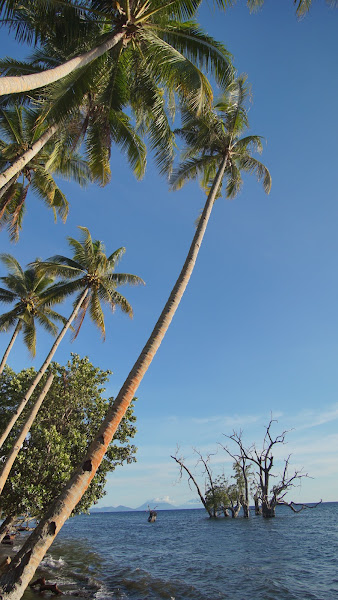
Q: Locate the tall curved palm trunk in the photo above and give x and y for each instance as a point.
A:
(42, 370)
(24, 83)
(21, 162)
(10, 346)
(7, 465)
(15, 580)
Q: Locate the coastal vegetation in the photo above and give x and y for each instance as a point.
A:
(58, 438)
(106, 73)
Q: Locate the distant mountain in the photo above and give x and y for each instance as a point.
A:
(119, 508)
(158, 505)
(152, 504)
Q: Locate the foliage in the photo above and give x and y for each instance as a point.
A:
(215, 136)
(25, 289)
(164, 54)
(20, 128)
(89, 269)
(64, 427)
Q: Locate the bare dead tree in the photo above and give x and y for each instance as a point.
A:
(264, 460)
(219, 497)
(191, 479)
(244, 466)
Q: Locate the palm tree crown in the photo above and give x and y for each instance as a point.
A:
(213, 137)
(19, 129)
(26, 289)
(156, 51)
(89, 269)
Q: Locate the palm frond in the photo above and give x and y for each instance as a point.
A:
(12, 265)
(96, 312)
(251, 165)
(124, 134)
(190, 169)
(29, 334)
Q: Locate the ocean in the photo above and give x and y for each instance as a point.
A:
(185, 555)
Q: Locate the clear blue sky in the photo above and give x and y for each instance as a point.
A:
(256, 331)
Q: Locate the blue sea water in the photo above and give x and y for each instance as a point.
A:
(184, 555)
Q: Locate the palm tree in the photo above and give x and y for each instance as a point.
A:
(38, 160)
(25, 288)
(19, 128)
(90, 274)
(224, 147)
(158, 28)
(15, 449)
(150, 41)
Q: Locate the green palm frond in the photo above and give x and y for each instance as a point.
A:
(47, 324)
(9, 319)
(59, 266)
(6, 295)
(117, 279)
(12, 265)
(251, 165)
(124, 135)
(96, 312)
(58, 292)
(30, 290)
(177, 72)
(29, 334)
(89, 269)
(116, 299)
(55, 316)
(98, 142)
(191, 169)
(214, 138)
(234, 181)
(252, 143)
(115, 257)
(201, 49)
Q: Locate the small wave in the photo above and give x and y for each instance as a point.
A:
(52, 563)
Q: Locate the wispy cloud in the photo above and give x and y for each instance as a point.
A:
(310, 418)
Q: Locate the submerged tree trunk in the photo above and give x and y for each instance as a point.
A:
(246, 509)
(41, 370)
(235, 510)
(10, 345)
(22, 161)
(258, 510)
(23, 433)
(23, 83)
(268, 511)
(18, 574)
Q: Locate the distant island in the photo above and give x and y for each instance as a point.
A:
(144, 507)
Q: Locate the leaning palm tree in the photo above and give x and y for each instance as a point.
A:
(167, 44)
(90, 274)
(32, 151)
(222, 149)
(20, 127)
(25, 289)
(160, 29)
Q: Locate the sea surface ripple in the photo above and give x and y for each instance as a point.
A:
(186, 556)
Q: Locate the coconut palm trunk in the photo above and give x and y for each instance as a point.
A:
(17, 576)
(22, 161)
(6, 525)
(10, 345)
(24, 83)
(23, 433)
(4, 190)
(42, 369)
